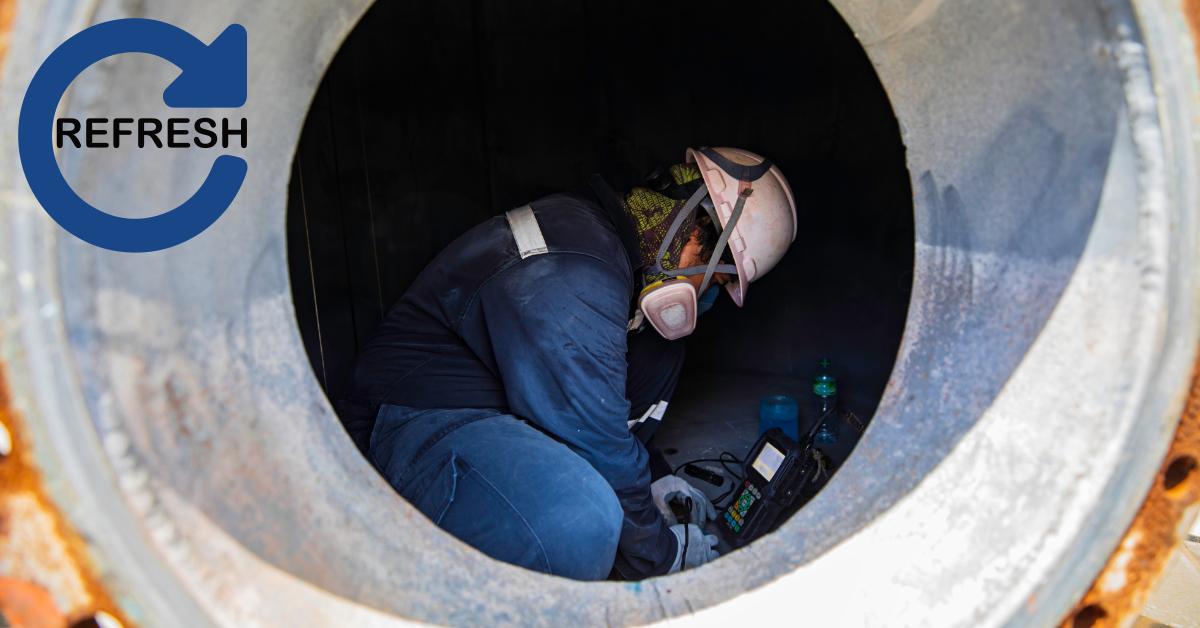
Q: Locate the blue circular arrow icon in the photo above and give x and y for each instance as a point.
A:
(213, 76)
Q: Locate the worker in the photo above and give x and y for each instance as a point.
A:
(510, 393)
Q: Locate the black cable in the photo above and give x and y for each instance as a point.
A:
(740, 477)
(676, 469)
(812, 432)
(734, 459)
(687, 519)
(723, 496)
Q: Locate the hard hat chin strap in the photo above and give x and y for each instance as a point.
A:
(707, 204)
(714, 265)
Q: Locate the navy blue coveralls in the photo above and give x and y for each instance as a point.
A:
(495, 395)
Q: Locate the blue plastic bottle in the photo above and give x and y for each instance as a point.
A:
(825, 390)
(781, 412)
(705, 302)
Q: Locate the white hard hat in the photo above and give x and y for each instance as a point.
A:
(767, 225)
(755, 213)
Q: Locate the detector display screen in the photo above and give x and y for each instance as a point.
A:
(768, 461)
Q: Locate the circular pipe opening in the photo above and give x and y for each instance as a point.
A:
(515, 105)
(1051, 255)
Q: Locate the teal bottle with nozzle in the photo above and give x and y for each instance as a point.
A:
(825, 391)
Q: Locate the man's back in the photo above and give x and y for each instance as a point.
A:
(435, 349)
(484, 333)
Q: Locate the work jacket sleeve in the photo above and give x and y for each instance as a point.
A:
(557, 329)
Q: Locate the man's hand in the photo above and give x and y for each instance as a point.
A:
(699, 547)
(672, 488)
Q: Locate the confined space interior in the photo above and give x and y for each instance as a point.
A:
(172, 394)
(509, 110)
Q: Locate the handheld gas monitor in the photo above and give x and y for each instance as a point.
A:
(776, 468)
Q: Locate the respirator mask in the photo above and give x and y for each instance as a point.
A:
(671, 305)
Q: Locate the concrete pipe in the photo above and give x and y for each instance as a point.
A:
(166, 404)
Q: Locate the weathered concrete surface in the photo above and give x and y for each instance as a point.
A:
(1052, 330)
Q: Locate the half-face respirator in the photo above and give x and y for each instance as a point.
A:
(670, 305)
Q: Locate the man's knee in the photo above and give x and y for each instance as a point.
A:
(518, 497)
(587, 528)
(608, 514)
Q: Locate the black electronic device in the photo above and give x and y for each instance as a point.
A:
(704, 474)
(776, 468)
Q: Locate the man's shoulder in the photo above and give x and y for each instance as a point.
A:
(573, 223)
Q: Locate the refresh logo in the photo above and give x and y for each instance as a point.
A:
(214, 76)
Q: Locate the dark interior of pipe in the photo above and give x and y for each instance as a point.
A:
(436, 116)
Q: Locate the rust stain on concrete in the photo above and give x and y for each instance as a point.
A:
(8, 14)
(46, 574)
(37, 544)
(1124, 585)
(28, 606)
(1135, 567)
(1191, 11)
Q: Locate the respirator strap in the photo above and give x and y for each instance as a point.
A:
(712, 213)
(700, 270)
(688, 208)
(724, 240)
